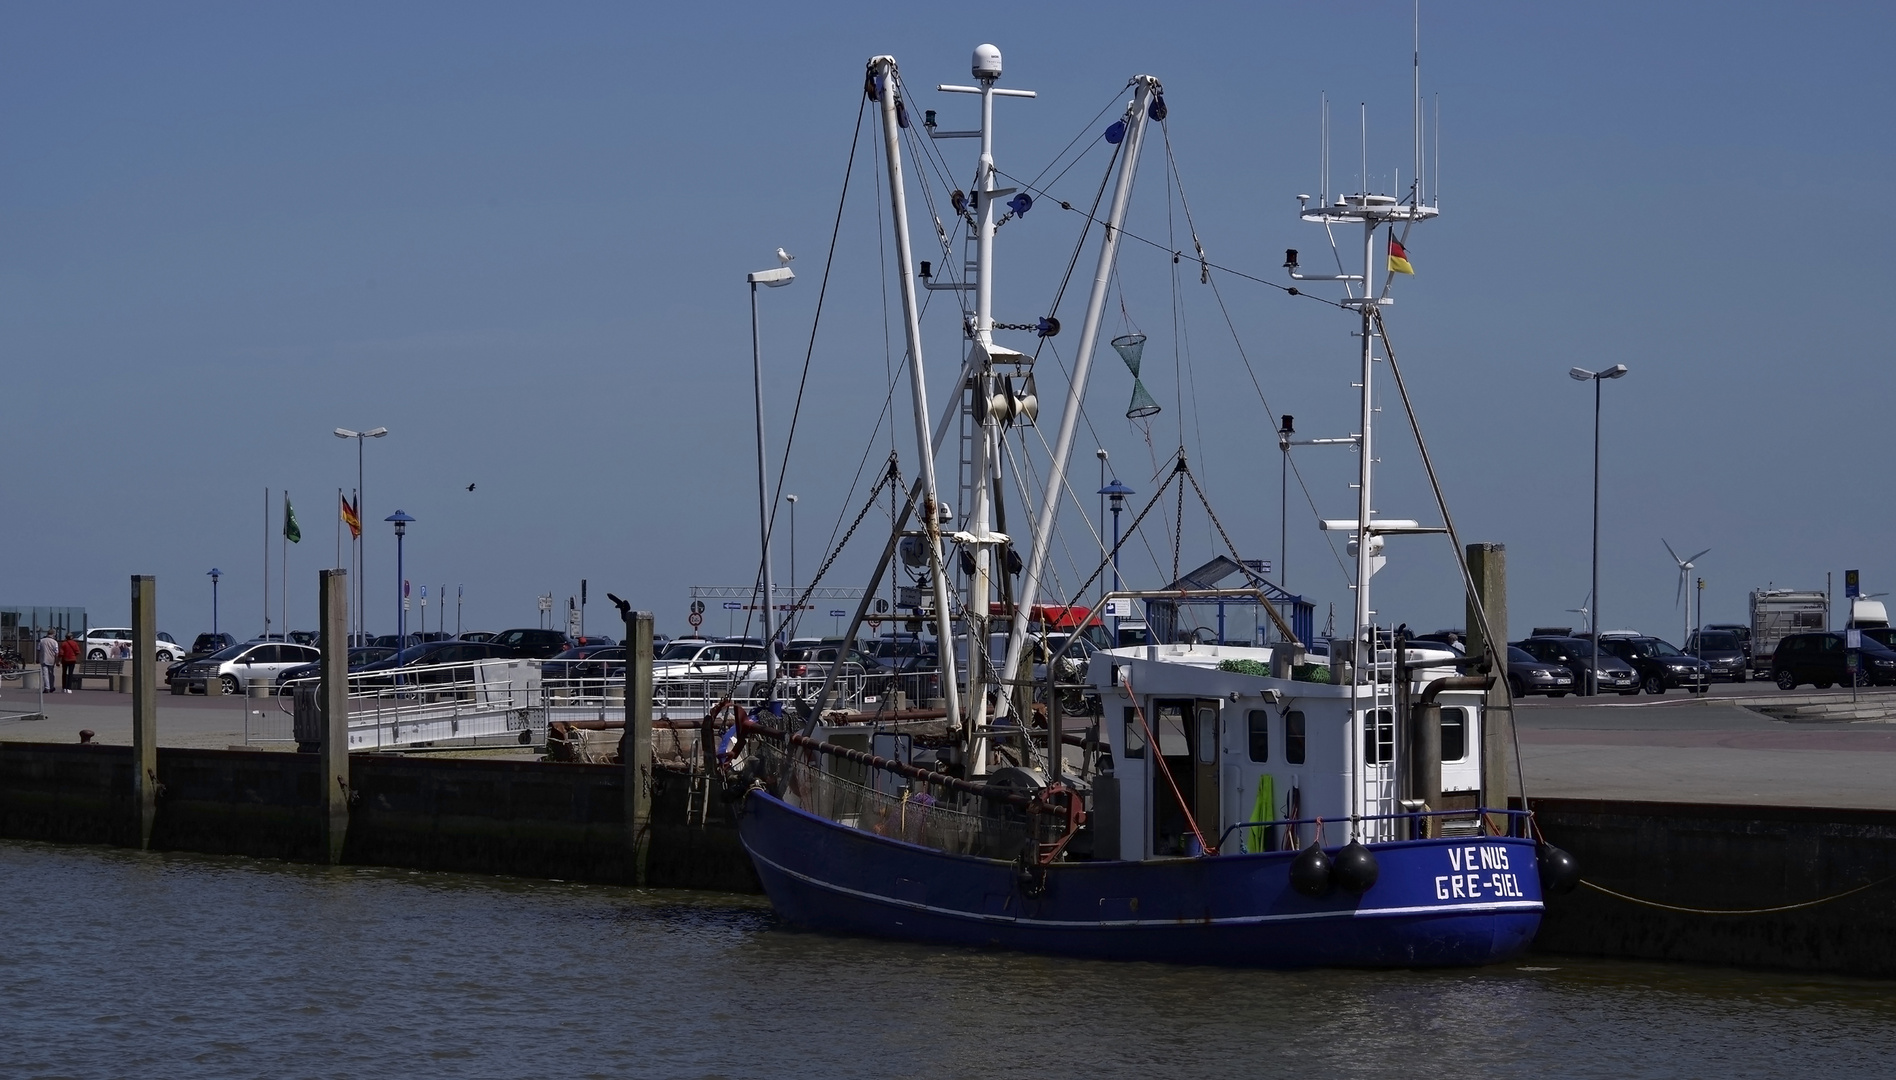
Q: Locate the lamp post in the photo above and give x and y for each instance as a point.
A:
(1284, 431)
(1116, 492)
(776, 278)
(796, 610)
(401, 521)
(361, 573)
(1581, 374)
(1101, 534)
(214, 573)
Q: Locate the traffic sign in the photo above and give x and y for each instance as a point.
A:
(882, 605)
(837, 613)
(1851, 588)
(733, 605)
(696, 620)
(697, 607)
(1853, 639)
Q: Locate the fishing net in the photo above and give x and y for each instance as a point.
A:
(901, 808)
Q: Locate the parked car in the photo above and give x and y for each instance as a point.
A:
(1822, 660)
(427, 662)
(587, 666)
(532, 642)
(1576, 655)
(359, 657)
(1724, 654)
(1527, 675)
(805, 661)
(240, 665)
(1661, 667)
(104, 643)
(478, 635)
(696, 658)
(206, 644)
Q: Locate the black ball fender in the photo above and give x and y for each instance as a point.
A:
(1310, 871)
(1355, 869)
(1559, 871)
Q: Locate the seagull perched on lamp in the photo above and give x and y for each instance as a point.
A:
(784, 257)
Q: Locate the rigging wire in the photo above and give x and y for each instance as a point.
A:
(1496, 664)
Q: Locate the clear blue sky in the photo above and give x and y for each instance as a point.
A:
(516, 235)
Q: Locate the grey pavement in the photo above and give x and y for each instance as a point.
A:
(183, 720)
(1680, 748)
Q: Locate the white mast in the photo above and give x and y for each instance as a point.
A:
(1145, 89)
(978, 535)
(884, 71)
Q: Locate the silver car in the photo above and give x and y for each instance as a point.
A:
(240, 665)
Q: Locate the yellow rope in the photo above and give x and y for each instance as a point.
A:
(1734, 911)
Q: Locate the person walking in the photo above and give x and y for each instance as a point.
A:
(48, 659)
(68, 660)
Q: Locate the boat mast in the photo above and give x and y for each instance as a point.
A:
(1145, 90)
(978, 536)
(883, 72)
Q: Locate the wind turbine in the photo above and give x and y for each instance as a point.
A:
(1585, 611)
(1685, 571)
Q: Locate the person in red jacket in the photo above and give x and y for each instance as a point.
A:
(68, 660)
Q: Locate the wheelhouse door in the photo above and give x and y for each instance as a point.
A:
(1184, 776)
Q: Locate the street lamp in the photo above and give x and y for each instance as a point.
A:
(1101, 534)
(361, 570)
(776, 278)
(1117, 493)
(1581, 374)
(214, 573)
(1284, 432)
(401, 521)
(796, 611)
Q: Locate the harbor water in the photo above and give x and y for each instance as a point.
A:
(117, 963)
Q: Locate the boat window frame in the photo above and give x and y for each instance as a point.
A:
(1258, 729)
(1296, 737)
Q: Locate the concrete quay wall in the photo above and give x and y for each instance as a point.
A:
(526, 818)
(1723, 858)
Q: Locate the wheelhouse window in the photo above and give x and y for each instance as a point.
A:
(1294, 737)
(1135, 741)
(1259, 722)
(1454, 734)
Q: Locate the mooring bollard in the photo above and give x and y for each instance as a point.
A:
(213, 686)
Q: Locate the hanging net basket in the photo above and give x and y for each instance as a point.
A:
(1142, 404)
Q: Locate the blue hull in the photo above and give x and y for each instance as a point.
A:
(1436, 903)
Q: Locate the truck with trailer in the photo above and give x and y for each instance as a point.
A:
(1776, 613)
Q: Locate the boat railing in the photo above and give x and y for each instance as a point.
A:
(1415, 820)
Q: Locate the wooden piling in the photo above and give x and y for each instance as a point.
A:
(334, 708)
(637, 748)
(144, 706)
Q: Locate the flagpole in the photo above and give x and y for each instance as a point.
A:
(285, 609)
(266, 564)
(339, 535)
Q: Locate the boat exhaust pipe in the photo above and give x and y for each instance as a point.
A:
(1425, 742)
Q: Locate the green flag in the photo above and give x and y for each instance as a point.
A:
(291, 531)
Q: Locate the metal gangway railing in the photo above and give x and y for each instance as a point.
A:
(440, 706)
(511, 702)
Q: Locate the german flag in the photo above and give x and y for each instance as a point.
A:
(1398, 256)
(351, 518)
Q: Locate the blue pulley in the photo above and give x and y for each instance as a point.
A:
(1116, 132)
(1157, 109)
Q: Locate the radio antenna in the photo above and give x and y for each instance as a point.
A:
(1417, 66)
(1362, 119)
(1435, 183)
(1323, 149)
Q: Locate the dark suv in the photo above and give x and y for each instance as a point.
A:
(532, 643)
(1660, 666)
(1575, 654)
(1723, 652)
(1822, 660)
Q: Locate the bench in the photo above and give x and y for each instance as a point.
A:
(99, 669)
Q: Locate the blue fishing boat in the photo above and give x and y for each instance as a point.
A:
(1111, 786)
